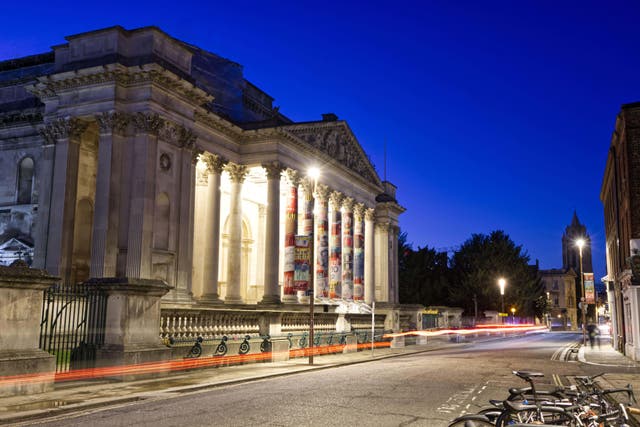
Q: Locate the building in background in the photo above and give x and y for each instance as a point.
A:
(560, 290)
(131, 154)
(620, 195)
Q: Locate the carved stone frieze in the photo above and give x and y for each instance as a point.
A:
(148, 122)
(338, 143)
(113, 121)
(274, 169)
(186, 138)
(215, 163)
(237, 172)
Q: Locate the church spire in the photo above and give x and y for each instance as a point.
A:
(575, 221)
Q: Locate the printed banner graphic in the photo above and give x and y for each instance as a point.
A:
(589, 288)
(302, 263)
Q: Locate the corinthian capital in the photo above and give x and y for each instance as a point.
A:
(237, 172)
(149, 123)
(215, 163)
(293, 176)
(358, 210)
(370, 214)
(186, 137)
(347, 204)
(274, 169)
(322, 193)
(336, 199)
(63, 129)
(112, 121)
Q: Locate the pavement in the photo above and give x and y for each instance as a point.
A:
(77, 396)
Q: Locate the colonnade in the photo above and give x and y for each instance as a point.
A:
(342, 230)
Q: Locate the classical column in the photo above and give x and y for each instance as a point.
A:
(369, 265)
(143, 180)
(335, 246)
(66, 133)
(271, 288)
(382, 260)
(44, 197)
(189, 154)
(307, 227)
(322, 242)
(394, 296)
(358, 252)
(104, 248)
(237, 173)
(347, 248)
(215, 166)
(290, 231)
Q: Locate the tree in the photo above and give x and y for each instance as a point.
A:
(480, 262)
(424, 275)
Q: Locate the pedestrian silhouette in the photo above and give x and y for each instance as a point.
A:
(594, 334)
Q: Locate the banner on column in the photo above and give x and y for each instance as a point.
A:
(347, 256)
(589, 289)
(335, 257)
(322, 257)
(302, 263)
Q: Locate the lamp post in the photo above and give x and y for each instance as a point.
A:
(583, 299)
(513, 315)
(314, 173)
(548, 305)
(501, 283)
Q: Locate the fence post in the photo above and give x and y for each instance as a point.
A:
(132, 323)
(21, 290)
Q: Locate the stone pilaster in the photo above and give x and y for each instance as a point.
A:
(142, 196)
(369, 265)
(189, 152)
(382, 258)
(104, 249)
(215, 166)
(335, 246)
(322, 242)
(237, 174)
(347, 248)
(291, 225)
(271, 288)
(66, 133)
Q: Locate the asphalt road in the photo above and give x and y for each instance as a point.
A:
(422, 389)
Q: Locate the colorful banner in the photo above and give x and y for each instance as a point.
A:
(335, 256)
(358, 260)
(302, 263)
(322, 256)
(589, 288)
(347, 255)
(290, 240)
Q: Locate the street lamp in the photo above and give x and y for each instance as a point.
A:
(314, 173)
(513, 315)
(501, 283)
(583, 299)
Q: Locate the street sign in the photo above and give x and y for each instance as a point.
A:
(503, 314)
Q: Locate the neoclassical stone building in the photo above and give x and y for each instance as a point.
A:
(128, 153)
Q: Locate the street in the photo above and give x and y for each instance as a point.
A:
(422, 389)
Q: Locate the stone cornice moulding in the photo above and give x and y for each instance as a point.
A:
(31, 116)
(52, 85)
(215, 122)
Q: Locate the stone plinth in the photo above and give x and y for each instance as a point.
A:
(21, 290)
(397, 342)
(132, 323)
(351, 344)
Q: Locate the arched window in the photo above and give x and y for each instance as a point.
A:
(25, 181)
(161, 222)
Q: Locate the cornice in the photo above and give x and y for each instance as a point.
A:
(215, 122)
(19, 118)
(52, 85)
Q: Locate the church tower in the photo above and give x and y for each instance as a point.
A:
(570, 252)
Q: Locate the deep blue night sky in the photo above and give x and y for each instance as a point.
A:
(496, 116)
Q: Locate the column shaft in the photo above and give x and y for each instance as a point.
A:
(347, 249)
(271, 288)
(291, 225)
(322, 243)
(358, 253)
(234, 260)
(369, 265)
(335, 247)
(212, 226)
(186, 212)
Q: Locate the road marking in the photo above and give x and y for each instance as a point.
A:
(456, 402)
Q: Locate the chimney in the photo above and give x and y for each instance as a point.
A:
(329, 117)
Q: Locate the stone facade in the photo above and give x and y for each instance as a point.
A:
(559, 285)
(130, 154)
(620, 195)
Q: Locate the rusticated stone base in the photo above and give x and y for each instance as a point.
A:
(34, 372)
(124, 362)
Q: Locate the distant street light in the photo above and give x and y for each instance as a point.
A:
(501, 283)
(583, 299)
(513, 315)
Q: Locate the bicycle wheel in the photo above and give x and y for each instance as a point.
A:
(471, 420)
(535, 416)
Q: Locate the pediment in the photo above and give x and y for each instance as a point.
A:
(337, 141)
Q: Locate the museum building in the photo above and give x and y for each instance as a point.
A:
(131, 154)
